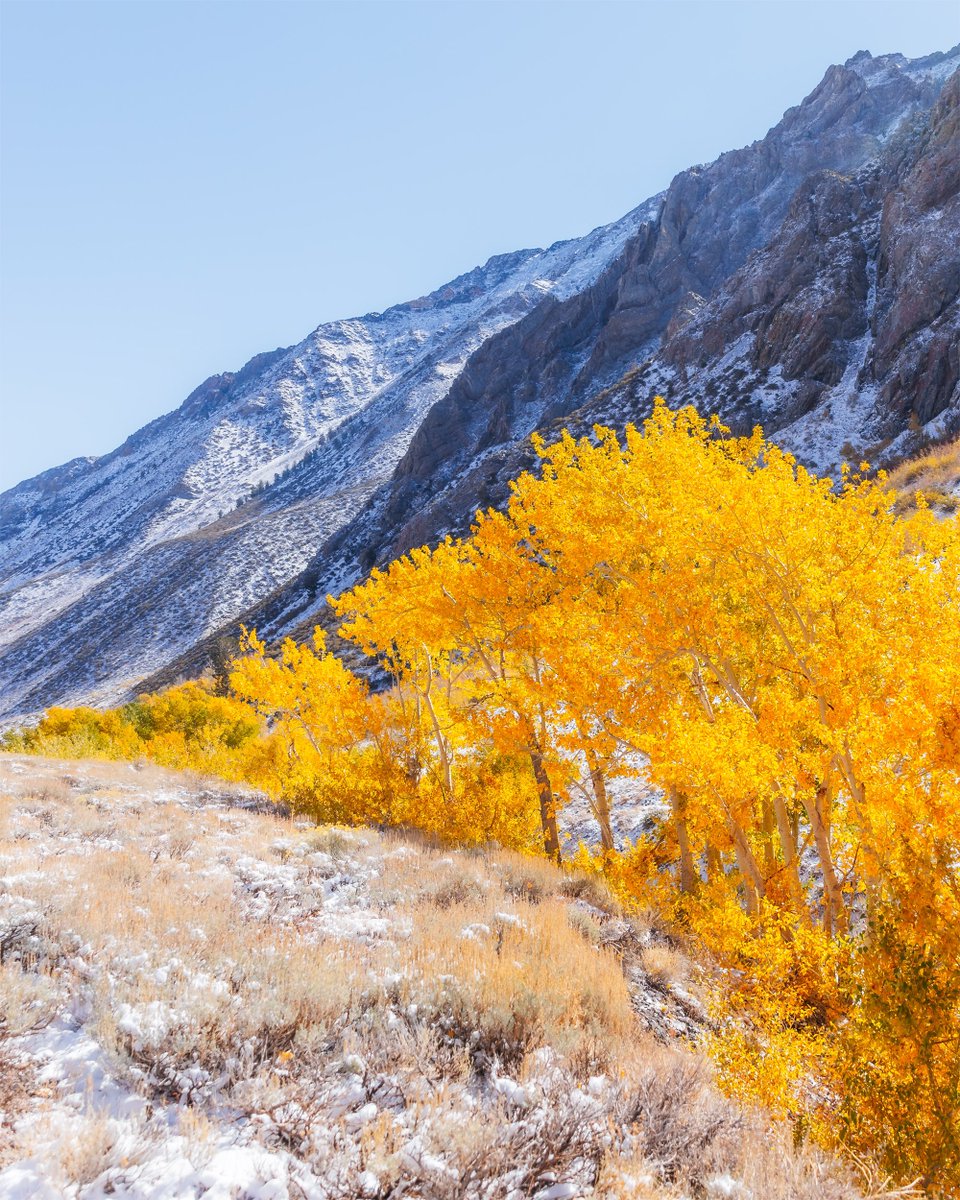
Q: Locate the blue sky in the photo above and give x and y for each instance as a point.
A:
(185, 184)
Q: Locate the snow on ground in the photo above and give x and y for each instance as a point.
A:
(200, 996)
(635, 805)
(125, 1098)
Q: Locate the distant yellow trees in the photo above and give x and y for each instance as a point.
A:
(319, 715)
(779, 655)
(186, 727)
(465, 631)
(402, 758)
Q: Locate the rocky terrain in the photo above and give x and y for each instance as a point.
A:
(809, 282)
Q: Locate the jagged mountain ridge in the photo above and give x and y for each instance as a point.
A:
(809, 280)
(669, 269)
(835, 253)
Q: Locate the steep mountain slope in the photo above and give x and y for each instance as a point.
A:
(838, 331)
(842, 333)
(784, 241)
(809, 281)
(113, 566)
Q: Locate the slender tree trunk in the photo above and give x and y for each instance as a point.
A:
(548, 814)
(688, 871)
(791, 860)
(871, 868)
(441, 749)
(601, 801)
(714, 860)
(768, 825)
(750, 900)
(754, 885)
(834, 910)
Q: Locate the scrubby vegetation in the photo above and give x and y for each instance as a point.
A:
(934, 476)
(781, 657)
(252, 1007)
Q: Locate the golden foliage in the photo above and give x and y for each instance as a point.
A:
(779, 654)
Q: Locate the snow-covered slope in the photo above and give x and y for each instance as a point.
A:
(809, 281)
(184, 527)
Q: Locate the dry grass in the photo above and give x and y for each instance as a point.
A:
(29, 999)
(99, 1150)
(450, 1025)
(665, 966)
(935, 475)
(17, 1089)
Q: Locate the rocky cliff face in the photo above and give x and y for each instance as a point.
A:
(759, 287)
(846, 324)
(808, 282)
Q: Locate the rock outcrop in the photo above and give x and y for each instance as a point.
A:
(755, 288)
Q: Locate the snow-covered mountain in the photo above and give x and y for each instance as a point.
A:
(132, 558)
(809, 281)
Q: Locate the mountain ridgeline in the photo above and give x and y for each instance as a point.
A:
(809, 282)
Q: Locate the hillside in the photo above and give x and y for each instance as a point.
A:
(934, 475)
(183, 526)
(232, 1004)
(809, 281)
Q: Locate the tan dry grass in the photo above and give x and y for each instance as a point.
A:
(665, 966)
(935, 475)
(472, 1002)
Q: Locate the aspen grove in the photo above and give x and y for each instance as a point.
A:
(779, 654)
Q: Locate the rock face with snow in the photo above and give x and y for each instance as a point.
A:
(846, 324)
(113, 566)
(808, 282)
